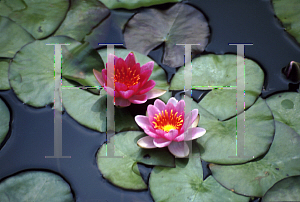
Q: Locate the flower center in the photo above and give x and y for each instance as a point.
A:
(127, 77)
(166, 122)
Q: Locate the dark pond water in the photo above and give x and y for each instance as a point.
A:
(31, 136)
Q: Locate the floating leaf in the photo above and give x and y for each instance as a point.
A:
(13, 37)
(123, 172)
(40, 17)
(180, 24)
(218, 145)
(221, 71)
(158, 74)
(255, 178)
(4, 121)
(31, 72)
(35, 186)
(132, 4)
(81, 18)
(289, 15)
(185, 183)
(287, 189)
(4, 84)
(286, 109)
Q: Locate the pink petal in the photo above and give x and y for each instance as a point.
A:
(135, 87)
(99, 77)
(152, 134)
(171, 134)
(154, 93)
(142, 121)
(121, 63)
(110, 91)
(138, 99)
(146, 142)
(195, 123)
(161, 142)
(152, 111)
(173, 101)
(160, 132)
(179, 149)
(170, 107)
(190, 118)
(147, 66)
(191, 134)
(159, 104)
(130, 60)
(122, 102)
(147, 87)
(144, 76)
(126, 94)
(120, 86)
(104, 74)
(180, 106)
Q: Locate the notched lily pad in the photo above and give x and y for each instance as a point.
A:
(35, 186)
(13, 37)
(123, 172)
(180, 24)
(4, 121)
(185, 183)
(132, 4)
(257, 177)
(4, 84)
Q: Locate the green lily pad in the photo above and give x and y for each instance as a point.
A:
(132, 4)
(123, 172)
(185, 183)
(31, 73)
(4, 9)
(13, 37)
(35, 186)
(4, 84)
(41, 17)
(218, 145)
(78, 65)
(255, 178)
(4, 120)
(289, 15)
(81, 18)
(158, 74)
(287, 189)
(90, 110)
(286, 109)
(221, 70)
(180, 24)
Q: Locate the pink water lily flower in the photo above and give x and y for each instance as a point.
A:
(131, 81)
(164, 125)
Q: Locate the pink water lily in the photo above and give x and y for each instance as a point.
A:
(130, 80)
(164, 125)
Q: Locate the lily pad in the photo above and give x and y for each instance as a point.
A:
(218, 145)
(287, 189)
(35, 186)
(221, 70)
(31, 73)
(123, 172)
(257, 177)
(4, 84)
(180, 24)
(41, 17)
(13, 37)
(4, 120)
(158, 73)
(286, 108)
(185, 183)
(289, 15)
(132, 4)
(81, 18)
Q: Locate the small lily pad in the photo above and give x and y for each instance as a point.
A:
(287, 189)
(289, 15)
(257, 177)
(221, 71)
(35, 186)
(286, 109)
(180, 24)
(4, 84)
(123, 172)
(31, 73)
(13, 37)
(4, 121)
(132, 4)
(41, 17)
(81, 18)
(185, 183)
